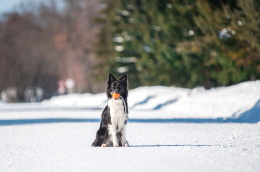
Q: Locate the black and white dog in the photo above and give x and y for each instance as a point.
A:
(112, 130)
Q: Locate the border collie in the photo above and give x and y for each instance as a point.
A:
(112, 130)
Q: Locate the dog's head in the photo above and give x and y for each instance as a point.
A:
(117, 86)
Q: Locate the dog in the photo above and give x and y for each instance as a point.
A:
(112, 130)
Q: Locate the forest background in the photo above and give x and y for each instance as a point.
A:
(180, 43)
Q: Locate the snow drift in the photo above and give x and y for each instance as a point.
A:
(241, 101)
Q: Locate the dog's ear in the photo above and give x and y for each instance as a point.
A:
(111, 78)
(123, 78)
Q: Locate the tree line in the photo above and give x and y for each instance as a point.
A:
(42, 43)
(182, 42)
(160, 42)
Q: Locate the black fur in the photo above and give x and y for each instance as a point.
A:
(119, 86)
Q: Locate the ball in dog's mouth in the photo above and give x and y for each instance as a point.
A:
(115, 95)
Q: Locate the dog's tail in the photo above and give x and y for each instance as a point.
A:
(101, 135)
(95, 143)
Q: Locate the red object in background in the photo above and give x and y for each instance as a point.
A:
(62, 87)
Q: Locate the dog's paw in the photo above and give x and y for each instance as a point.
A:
(115, 144)
(126, 143)
(103, 145)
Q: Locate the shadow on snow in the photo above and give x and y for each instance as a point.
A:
(9, 122)
(186, 145)
(165, 103)
(46, 120)
(252, 115)
(144, 101)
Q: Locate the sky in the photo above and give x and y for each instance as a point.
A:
(8, 5)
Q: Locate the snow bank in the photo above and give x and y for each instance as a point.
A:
(222, 102)
(79, 100)
(173, 102)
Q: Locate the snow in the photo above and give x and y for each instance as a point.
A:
(170, 129)
(65, 146)
(173, 102)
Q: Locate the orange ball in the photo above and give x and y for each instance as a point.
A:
(116, 96)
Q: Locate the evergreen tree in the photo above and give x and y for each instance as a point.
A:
(228, 41)
(145, 37)
(183, 43)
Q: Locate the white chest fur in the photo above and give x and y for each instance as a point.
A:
(117, 113)
(118, 117)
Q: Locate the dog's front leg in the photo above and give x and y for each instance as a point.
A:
(123, 140)
(112, 130)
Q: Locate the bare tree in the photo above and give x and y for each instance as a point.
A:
(40, 47)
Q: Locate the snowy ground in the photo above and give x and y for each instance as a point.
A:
(56, 135)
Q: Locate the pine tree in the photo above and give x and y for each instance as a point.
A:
(229, 50)
(245, 21)
(182, 43)
(145, 36)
